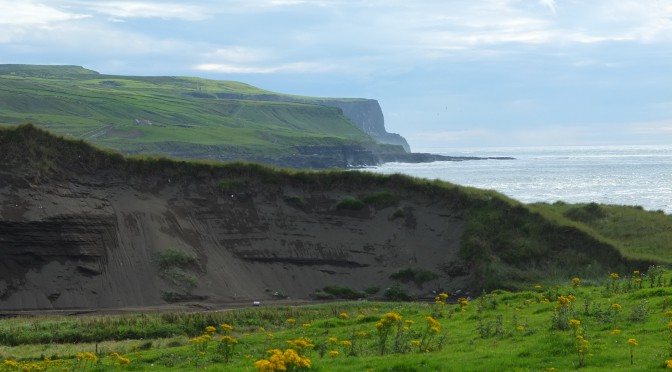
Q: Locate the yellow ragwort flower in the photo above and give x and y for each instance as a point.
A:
(228, 327)
(520, 328)
(343, 315)
(616, 306)
(432, 322)
(632, 342)
(614, 276)
(210, 329)
(332, 340)
(616, 332)
(574, 323)
(333, 353)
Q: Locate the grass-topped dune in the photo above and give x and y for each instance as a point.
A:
(81, 227)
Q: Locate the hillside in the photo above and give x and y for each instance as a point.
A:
(81, 228)
(196, 118)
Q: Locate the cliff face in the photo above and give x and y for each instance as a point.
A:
(77, 231)
(365, 113)
(368, 116)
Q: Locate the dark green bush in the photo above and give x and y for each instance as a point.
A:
(396, 293)
(380, 199)
(343, 292)
(350, 204)
(173, 258)
(417, 276)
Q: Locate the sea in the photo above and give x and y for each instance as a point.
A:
(622, 175)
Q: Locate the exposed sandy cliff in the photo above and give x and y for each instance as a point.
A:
(76, 231)
(80, 228)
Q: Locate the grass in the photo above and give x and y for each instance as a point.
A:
(497, 331)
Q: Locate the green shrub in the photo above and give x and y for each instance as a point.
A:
(295, 201)
(343, 292)
(396, 293)
(417, 276)
(399, 213)
(350, 203)
(380, 199)
(173, 258)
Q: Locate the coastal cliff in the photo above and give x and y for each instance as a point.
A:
(365, 113)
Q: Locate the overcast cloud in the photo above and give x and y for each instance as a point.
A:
(457, 73)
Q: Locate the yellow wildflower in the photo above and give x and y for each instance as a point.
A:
(520, 328)
(432, 322)
(11, 363)
(443, 296)
(306, 325)
(228, 327)
(361, 334)
(333, 353)
(632, 342)
(343, 315)
(415, 342)
(210, 329)
(614, 276)
(616, 306)
(537, 286)
(668, 364)
(635, 273)
(436, 329)
(269, 336)
(333, 340)
(291, 320)
(574, 323)
(616, 332)
(575, 281)
(346, 343)
(262, 329)
(228, 340)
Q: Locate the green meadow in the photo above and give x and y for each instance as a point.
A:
(622, 322)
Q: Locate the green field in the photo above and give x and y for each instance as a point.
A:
(621, 323)
(152, 115)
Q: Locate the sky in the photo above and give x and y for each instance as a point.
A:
(447, 73)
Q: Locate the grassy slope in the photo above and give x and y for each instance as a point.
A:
(498, 332)
(102, 109)
(638, 233)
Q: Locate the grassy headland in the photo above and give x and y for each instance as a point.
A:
(169, 115)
